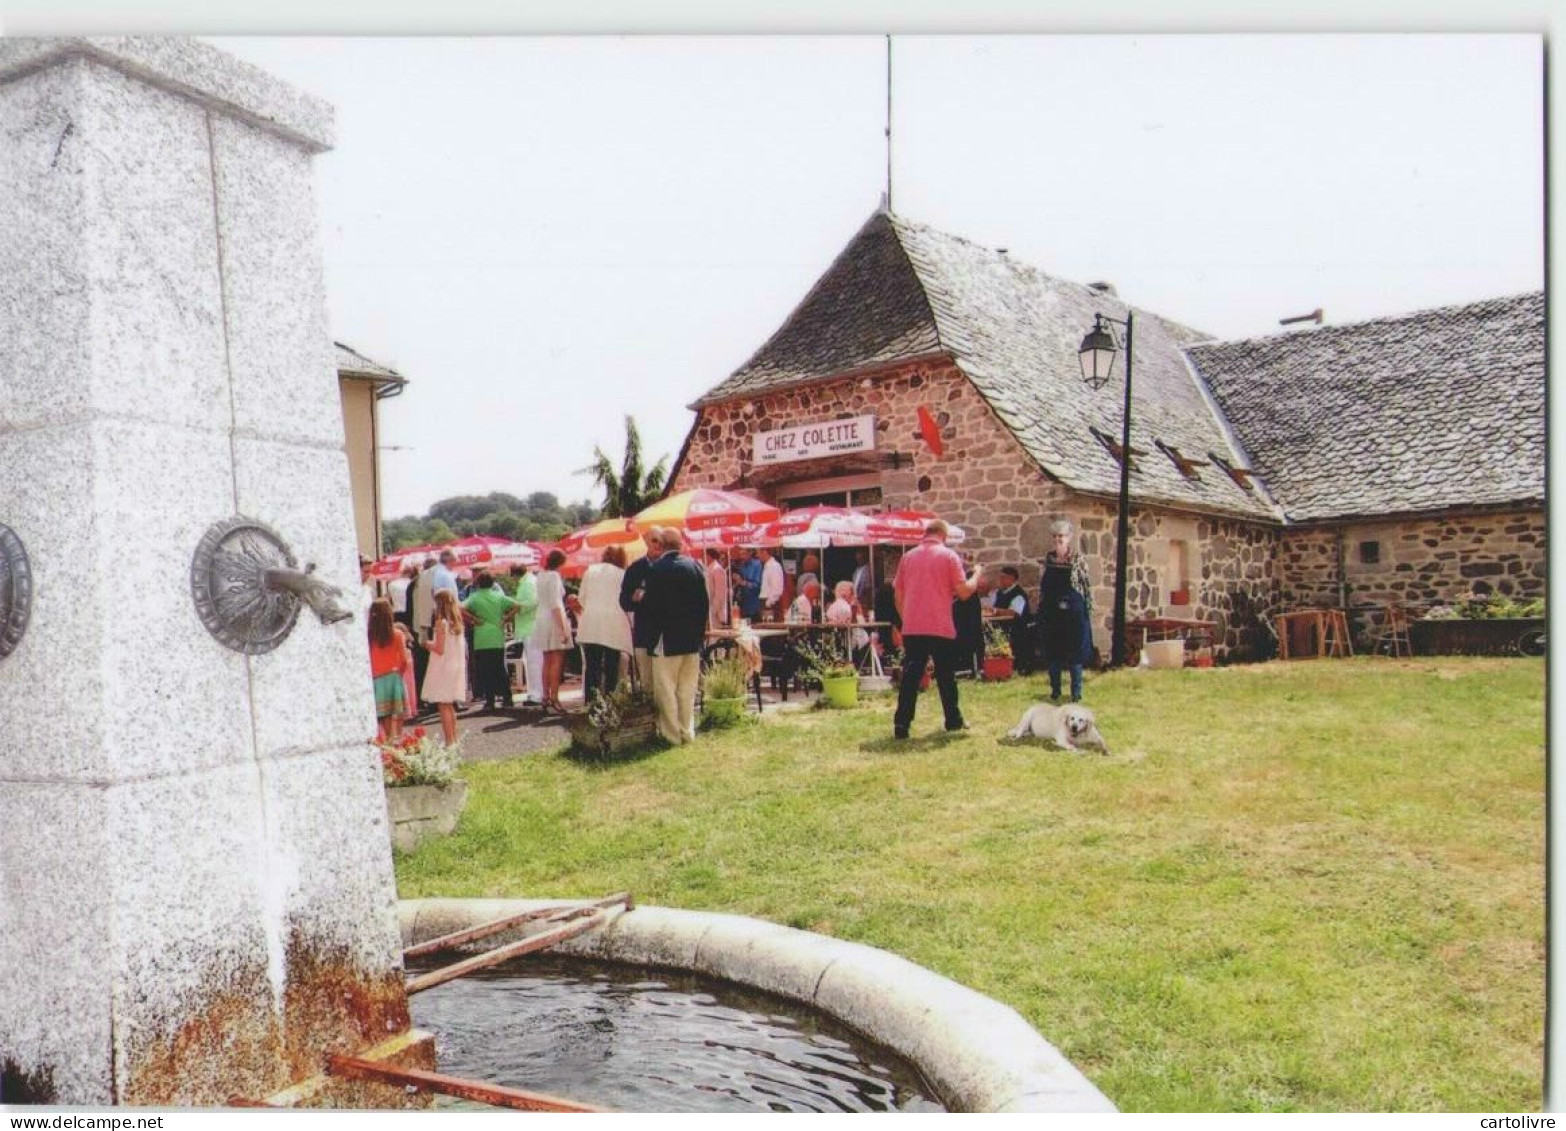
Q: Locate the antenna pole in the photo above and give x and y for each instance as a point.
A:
(889, 123)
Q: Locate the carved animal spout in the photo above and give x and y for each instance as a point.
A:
(303, 584)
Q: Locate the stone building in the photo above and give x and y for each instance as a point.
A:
(1396, 459)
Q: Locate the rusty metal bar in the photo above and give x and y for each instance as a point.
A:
(567, 930)
(496, 926)
(355, 1068)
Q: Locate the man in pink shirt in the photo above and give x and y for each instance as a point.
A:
(929, 579)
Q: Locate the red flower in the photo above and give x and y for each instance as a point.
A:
(418, 732)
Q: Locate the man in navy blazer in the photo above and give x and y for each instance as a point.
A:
(633, 587)
(672, 618)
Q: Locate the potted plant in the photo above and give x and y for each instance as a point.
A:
(723, 691)
(997, 654)
(424, 796)
(829, 661)
(614, 722)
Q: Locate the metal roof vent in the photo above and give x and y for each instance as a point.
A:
(1103, 288)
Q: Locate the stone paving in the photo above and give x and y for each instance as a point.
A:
(493, 736)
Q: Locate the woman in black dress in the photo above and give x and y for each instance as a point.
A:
(1065, 610)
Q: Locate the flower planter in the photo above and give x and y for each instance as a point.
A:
(997, 668)
(1498, 636)
(723, 712)
(417, 812)
(840, 690)
(634, 731)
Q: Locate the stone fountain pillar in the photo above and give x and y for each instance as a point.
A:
(196, 893)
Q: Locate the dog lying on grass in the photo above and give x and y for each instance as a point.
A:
(1069, 727)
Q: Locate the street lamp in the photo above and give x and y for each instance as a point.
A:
(1097, 355)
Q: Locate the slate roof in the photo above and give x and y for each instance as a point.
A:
(901, 289)
(1423, 411)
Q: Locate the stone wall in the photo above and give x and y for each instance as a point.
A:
(1416, 561)
(987, 484)
(983, 481)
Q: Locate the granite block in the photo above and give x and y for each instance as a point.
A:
(43, 257)
(116, 677)
(329, 863)
(314, 690)
(46, 475)
(54, 942)
(777, 959)
(195, 70)
(199, 952)
(880, 994)
(986, 1054)
(648, 936)
(177, 699)
(329, 885)
(157, 348)
(280, 347)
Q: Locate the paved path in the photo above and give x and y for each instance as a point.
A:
(493, 736)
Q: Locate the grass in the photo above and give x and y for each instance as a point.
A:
(1312, 886)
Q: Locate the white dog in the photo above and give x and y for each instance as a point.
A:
(1068, 727)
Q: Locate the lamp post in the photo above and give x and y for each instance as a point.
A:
(1097, 356)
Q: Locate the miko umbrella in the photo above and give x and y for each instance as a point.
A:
(605, 532)
(904, 528)
(391, 565)
(704, 509)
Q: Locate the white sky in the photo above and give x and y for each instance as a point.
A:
(544, 234)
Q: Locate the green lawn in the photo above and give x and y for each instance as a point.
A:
(1308, 886)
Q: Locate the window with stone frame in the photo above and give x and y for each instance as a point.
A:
(1370, 553)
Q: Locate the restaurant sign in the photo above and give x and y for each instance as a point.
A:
(812, 441)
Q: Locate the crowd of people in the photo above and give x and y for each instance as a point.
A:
(436, 644)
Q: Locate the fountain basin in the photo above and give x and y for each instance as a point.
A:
(977, 1054)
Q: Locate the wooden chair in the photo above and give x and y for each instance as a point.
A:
(1392, 632)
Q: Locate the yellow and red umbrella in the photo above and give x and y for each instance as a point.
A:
(706, 508)
(604, 532)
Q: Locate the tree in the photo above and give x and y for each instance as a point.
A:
(631, 489)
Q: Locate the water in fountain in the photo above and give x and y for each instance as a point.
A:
(641, 1040)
